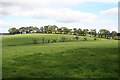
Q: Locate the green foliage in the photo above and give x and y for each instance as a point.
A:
(63, 39)
(73, 39)
(93, 32)
(43, 40)
(12, 30)
(85, 38)
(69, 39)
(41, 29)
(54, 40)
(104, 32)
(53, 29)
(95, 38)
(35, 41)
(76, 37)
(113, 34)
(75, 31)
(48, 40)
(85, 32)
(80, 32)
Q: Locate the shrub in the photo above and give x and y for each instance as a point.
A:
(43, 40)
(95, 39)
(54, 40)
(63, 39)
(85, 38)
(48, 41)
(69, 39)
(73, 39)
(76, 37)
(35, 41)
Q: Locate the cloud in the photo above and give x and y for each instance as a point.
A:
(65, 15)
(39, 3)
(25, 7)
(54, 10)
(19, 7)
(32, 3)
(110, 12)
(103, 1)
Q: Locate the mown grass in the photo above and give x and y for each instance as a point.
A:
(77, 59)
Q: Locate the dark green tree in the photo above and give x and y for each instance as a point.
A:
(12, 30)
(75, 31)
(80, 32)
(42, 29)
(113, 34)
(46, 29)
(85, 32)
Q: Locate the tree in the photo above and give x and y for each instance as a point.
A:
(30, 29)
(36, 30)
(17, 31)
(85, 32)
(65, 30)
(46, 29)
(104, 32)
(93, 32)
(75, 31)
(107, 34)
(22, 29)
(80, 32)
(113, 34)
(70, 31)
(50, 29)
(54, 28)
(12, 30)
(59, 30)
(41, 29)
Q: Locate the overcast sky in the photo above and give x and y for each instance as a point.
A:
(91, 14)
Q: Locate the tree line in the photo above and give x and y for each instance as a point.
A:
(63, 30)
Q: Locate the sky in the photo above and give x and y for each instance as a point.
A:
(84, 14)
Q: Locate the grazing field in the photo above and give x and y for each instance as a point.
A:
(72, 59)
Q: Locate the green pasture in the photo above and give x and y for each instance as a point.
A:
(73, 59)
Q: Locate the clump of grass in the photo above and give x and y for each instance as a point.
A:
(43, 40)
(73, 39)
(54, 40)
(63, 39)
(48, 40)
(95, 38)
(69, 39)
(76, 37)
(85, 38)
(35, 41)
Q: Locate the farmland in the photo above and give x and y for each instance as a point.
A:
(69, 59)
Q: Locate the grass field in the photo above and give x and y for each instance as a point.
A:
(75, 59)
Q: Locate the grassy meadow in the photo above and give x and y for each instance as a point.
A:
(71, 59)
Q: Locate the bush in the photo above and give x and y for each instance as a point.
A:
(95, 39)
(48, 41)
(69, 39)
(73, 39)
(35, 41)
(85, 38)
(63, 39)
(76, 37)
(54, 40)
(43, 40)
